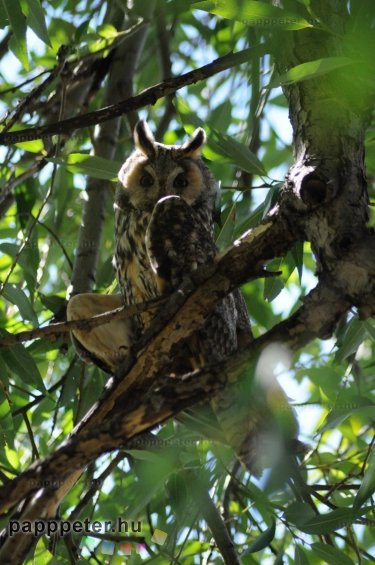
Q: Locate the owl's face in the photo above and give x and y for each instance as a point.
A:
(154, 171)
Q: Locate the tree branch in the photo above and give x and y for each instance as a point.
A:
(148, 96)
(54, 330)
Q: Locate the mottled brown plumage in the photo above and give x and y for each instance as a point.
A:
(164, 212)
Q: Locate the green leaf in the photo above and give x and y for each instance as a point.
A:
(225, 237)
(10, 249)
(6, 420)
(327, 523)
(263, 540)
(297, 254)
(17, 297)
(351, 339)
(29, 261)
(299, 556)
(256, 216)
(299, 513)
(3, 17)
(35, 19)
(347, 406)
(17, 22)
(53, 303)
(96, 167)
(254, 14)
(238, 152)
(331, 554)
(19, 360)
(369, 328)
(311, 69)
(273, 285)
(35, 146)
(223, 144)
(26, 195)
(108, 31)
(367, 487)
(152, 479)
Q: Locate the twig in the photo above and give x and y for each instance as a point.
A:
(34, 448)
(58, 241)
(216, 525)
(35, 93)
(24, 83)
(39, 398)
(85, 324)
(15, 181)
(87, 497)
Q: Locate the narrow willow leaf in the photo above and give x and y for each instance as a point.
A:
(36, 21)
(96, 167)
(297, 254)
(223, 144)
(3, 16)
(10, 249)
(273, 285)
(299, 556)
(6, 420)
(17, 22)
(17, 297)
(352, 338)
(312, 69)
(35, 146)
(52, 302)
(225, 237)
(327, 523)
(369, 328)
(263, 540)
(299, 513)
(331, 554)
(254, 14)
(367, 487)
(344, 408)
(19, 360)
(239, 153)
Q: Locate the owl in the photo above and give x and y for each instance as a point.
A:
(164, 230)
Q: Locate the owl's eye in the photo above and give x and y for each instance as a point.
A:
(180, 181)
(146, 180)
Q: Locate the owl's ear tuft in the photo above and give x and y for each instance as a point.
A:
(193, 147)
(144, 140)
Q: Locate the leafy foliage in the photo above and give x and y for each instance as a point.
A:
(45, 389)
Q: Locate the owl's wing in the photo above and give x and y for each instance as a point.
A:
(104, 345)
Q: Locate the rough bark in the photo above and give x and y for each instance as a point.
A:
(326, 184)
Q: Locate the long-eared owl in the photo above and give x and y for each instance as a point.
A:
(164, 221)
(164, 214)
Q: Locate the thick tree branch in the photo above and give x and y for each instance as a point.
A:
(131, 406)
